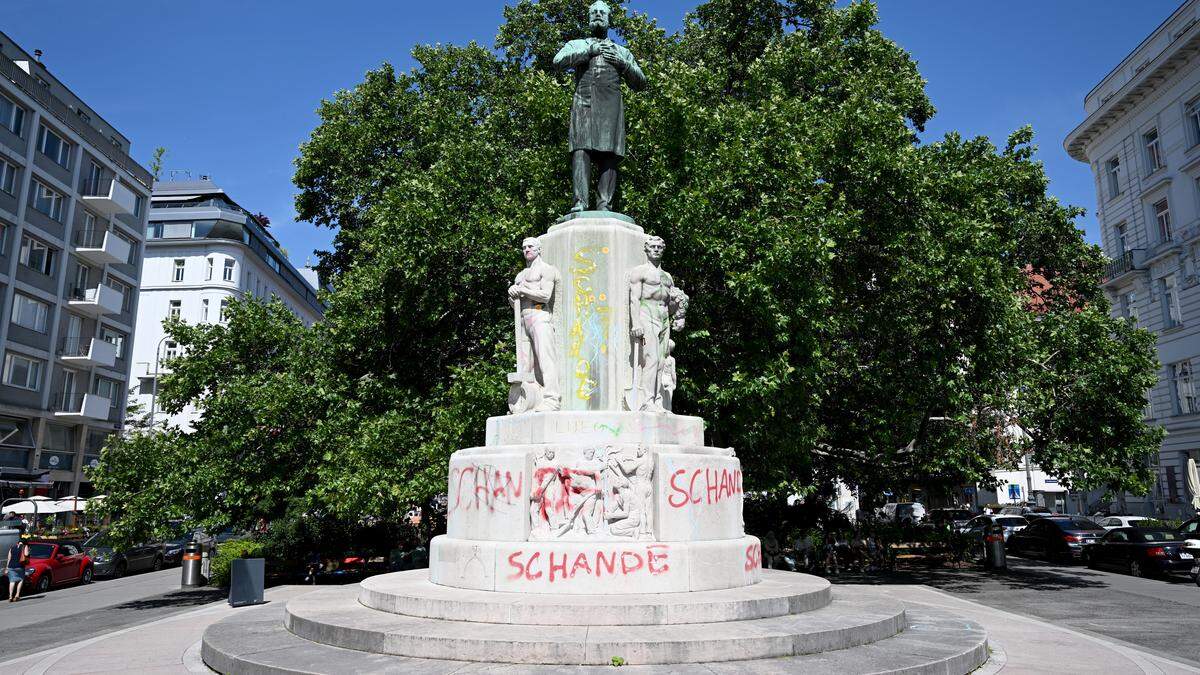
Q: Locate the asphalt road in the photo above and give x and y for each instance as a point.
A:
(68, 614)
(1161, 616)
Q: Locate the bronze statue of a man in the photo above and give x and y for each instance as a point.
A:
(598, 111)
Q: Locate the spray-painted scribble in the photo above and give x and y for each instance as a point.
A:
(588, 348)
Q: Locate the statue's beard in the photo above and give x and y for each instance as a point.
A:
(598, 26)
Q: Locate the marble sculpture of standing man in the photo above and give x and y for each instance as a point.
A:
(597, 110)
(537, 353)
(656, 306)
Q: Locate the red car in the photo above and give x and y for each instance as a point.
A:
(54, 563)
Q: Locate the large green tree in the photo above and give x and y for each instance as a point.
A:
(866, 304)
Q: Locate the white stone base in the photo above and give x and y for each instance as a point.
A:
(595, 427)
(578, 567)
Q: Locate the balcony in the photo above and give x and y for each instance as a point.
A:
(1117, 269)
(101, 247)
(88, 351)
(109, 197)
(95, 301)
(78, 407)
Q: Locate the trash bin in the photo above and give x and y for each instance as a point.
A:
(246, 577)
(993, 549)
(192, 577)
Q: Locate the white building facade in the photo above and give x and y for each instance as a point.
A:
(1141, 137)
(202, 251)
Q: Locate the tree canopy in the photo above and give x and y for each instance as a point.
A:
(867, 304)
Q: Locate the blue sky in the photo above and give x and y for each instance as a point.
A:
(230, 86)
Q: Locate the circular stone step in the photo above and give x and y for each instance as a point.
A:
(335, 617)
(412, 594)
(254, 640)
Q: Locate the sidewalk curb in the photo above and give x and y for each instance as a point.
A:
(1135, 653)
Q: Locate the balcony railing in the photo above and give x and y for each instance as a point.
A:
(100, 246)
(109, 196)
(76, 346)
(66, 116)
(1127, 262)
(90, 237)
(96, 300)
(69, 403)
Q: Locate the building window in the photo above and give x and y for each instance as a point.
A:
(109, 389)
(174, 309)
(12, 116)
(224, 309)
(126, 295)
(178, 274)
(47, 200)
(8, 178)
(30, 313)
(37, 256)
(1185, 392)
(1191, 117)
(1122, 239)
(22, 371)
(172, 349)
(154, 230)
(133, 247)
(115, 339)
(95, 176)
(1112, 169)
(209, 269)
(139, 205)
(1162, 216)
(1153, 151)
(1170, 296)
(227, 273)
(1129, 300)
(204, 310)
(54, 146)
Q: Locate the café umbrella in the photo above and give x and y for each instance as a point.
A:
(1193, 478)
(36, 507)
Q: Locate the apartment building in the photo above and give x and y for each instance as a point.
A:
(202, 250)
(73, 208)
(1141, 137)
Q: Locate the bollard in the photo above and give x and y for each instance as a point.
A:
(192, 578)
(993, 548)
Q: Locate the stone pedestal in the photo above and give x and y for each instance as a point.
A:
(591, 317)
(593, 499)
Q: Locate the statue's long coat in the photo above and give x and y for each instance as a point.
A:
(598, 111)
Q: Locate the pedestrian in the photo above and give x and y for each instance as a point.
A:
(18, 557)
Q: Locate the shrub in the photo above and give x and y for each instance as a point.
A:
(222, 560)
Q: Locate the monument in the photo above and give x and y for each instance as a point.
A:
(594, 526)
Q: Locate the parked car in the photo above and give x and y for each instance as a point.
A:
(954, 518)
(172, 549)
(908, 513)
(116, 562)
(1024, 510)
(1055, 537)
(1141, 552)
(1113, 522)
(1190, 531)
(979, 524)
(53, 563)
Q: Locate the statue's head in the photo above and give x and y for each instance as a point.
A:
(654, 248)
(532, 248)
(598, 15)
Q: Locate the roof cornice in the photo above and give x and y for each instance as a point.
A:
(1133, 92)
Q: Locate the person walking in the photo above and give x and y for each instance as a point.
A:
(18, 557)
